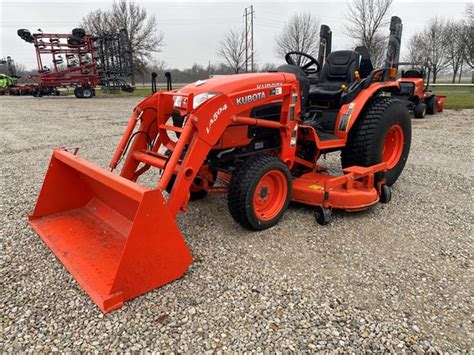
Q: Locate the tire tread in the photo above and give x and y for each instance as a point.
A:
(241, 182)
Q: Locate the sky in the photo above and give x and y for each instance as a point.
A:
(192, 30)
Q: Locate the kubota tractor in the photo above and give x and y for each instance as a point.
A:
(257, 137)
(415, 92)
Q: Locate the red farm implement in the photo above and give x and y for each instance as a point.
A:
(76, 60)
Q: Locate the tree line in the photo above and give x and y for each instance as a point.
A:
(445, 45)
(441, 46)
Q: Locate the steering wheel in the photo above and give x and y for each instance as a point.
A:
(304, 61)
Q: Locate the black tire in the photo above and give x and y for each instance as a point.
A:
(420, 110)
(22, 32)
(78, 32)
(242, 189)
(74, 41)
(367, 137)
(78, 93)
(87, 92)
(323, 215)
(386, 194)
(431, 105)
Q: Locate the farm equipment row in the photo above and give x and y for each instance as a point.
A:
(77, 60)
(257, 137)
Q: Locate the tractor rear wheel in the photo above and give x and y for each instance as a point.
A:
(382, 133)
(431, 105)
(259, 192)
(420, 110)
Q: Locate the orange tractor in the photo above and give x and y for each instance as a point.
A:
(415, 93)
(257, 137)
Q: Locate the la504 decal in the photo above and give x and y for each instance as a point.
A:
(215, 117)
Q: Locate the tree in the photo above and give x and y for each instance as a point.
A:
(143, 36)
(268, 67)
(300, 33)
(365, 21)
(97, 22)
(435, 46)
(416, 56)
(232, 50)
(455, 47)
(468, 39)
(429, 46)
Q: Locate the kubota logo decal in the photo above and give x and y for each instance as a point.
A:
(250, 98)
(215, 116)
(268, 85)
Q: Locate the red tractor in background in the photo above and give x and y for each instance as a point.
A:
(415, 93)
(256, 137)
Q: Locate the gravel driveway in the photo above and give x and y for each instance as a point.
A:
(397, 277)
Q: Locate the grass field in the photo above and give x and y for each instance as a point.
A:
(458, 98)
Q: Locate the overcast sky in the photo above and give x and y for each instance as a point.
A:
(192, 30)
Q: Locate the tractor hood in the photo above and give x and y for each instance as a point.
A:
(228, 84)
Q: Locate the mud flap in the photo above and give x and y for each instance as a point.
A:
(117, 238)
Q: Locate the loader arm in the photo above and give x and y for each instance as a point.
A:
(202, 130)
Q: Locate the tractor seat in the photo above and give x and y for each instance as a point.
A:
(337, 71)
(412, 73)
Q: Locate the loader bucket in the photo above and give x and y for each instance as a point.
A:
(116, 237)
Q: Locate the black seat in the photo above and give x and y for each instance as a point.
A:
(337, 71)
(412, 73)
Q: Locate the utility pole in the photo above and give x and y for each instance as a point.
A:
(249, 14)
(246, 36)
(251, 31)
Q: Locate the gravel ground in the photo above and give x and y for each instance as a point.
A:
(397, 277)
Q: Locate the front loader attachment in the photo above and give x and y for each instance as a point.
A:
(117, 238)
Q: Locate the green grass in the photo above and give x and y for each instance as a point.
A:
(458, 98)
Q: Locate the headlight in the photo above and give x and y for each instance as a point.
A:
(199, 99)
(177, 101)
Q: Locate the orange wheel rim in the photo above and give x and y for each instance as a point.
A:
(270, 195)
(393, 146)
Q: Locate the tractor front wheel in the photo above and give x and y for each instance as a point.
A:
(420, 110)
(381, 134)
(259, 192)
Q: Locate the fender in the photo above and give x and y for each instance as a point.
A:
(350, 112)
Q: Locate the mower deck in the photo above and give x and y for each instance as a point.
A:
(354, 190)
